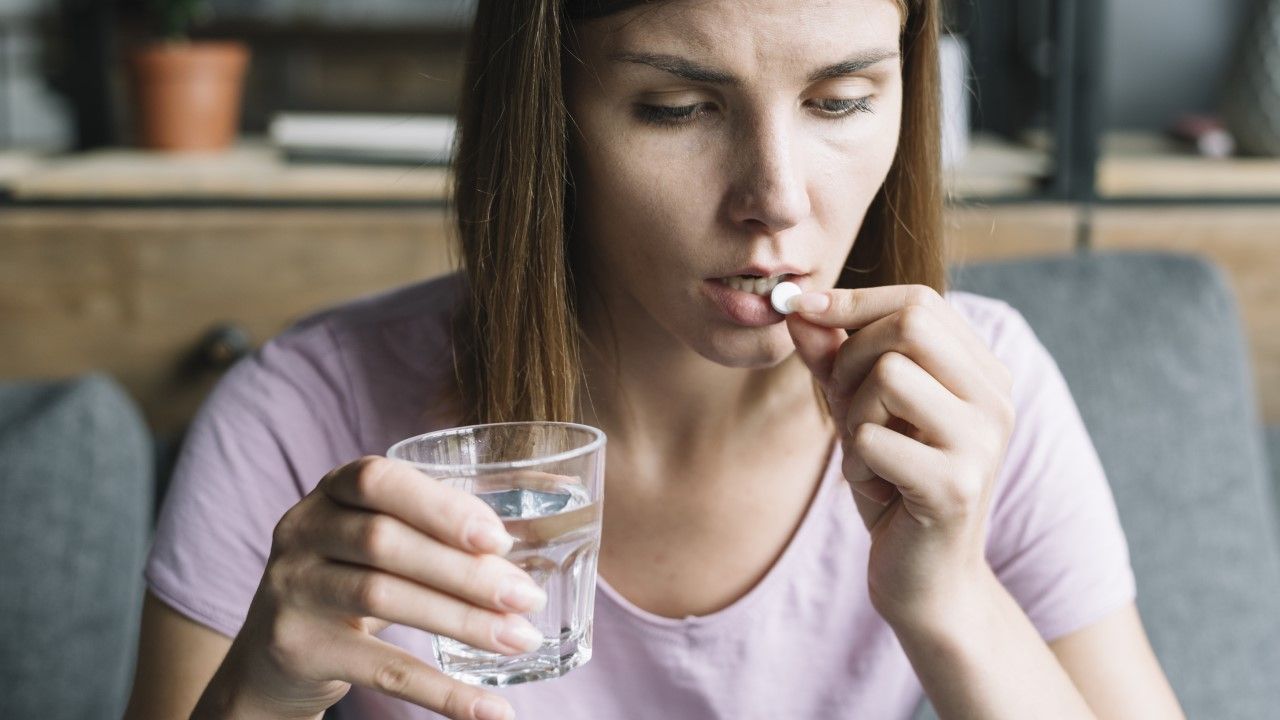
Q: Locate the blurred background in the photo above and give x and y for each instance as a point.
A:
(179, 180)
(122, 251)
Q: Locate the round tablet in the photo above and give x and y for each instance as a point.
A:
(782, 294)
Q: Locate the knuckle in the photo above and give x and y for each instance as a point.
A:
(845, 303)
(923, 295)
(369, 472)
(279, 580)
(888, 367)
(1006, 377)
(282, 534)
(460, 510)
(394, 676)
(963, 494)
(455, 702)
(862, 435)
(851, 468)
(1008, 413)
(377, 537)
(371, 594)
(480, 624)
(483, 572)
(285, 645)
(915, 326)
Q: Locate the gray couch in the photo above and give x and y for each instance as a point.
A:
(1149, 343)
(1151, 346)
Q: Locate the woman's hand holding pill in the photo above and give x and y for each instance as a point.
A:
(377, 543)
(924, 412)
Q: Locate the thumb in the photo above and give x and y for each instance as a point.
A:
(816, 345)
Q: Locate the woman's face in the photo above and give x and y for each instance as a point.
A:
(720, 138)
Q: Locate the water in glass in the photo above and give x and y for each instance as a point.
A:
(557, 534)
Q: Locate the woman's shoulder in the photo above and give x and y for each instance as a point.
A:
(381, 358)
(399, 322)
(427, 302)
(998, 323)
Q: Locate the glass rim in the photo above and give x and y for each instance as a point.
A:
(599, 440)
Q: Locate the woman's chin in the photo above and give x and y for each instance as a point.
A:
(764, 348)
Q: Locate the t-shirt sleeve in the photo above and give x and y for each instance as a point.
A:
(1055, 540)
(272, 427)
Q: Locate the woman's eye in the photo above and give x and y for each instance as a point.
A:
(840, 108)
(668, 115)
(678, 115)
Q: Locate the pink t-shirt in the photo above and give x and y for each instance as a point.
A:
(803, 643)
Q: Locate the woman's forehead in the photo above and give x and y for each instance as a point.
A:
(744, 36)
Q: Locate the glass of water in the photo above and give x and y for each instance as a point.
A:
(546, 481)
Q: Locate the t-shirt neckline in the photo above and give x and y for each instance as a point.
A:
(743, 604)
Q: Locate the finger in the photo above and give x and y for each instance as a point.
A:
(858, 307)
(897, 387)
(915, 469)
(861, 480)
(397, 488)
(917, 334)
(389, 544)
(358, 591)
(855, 308)
(381, 666)
(816, 345)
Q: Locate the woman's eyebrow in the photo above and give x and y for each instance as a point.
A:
(688, 70)
(852, 65)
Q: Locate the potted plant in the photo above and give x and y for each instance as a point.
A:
(187, 93)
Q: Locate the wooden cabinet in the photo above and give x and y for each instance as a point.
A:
(131, 292)
(89, 282)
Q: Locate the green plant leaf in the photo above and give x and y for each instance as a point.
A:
(175, 17)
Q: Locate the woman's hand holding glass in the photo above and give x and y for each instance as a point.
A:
(925, 414)
(373, 545)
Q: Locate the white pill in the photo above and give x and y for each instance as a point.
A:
(782, 294)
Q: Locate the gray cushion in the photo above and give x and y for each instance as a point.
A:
(75, 472)
(1273, 459)
(1151, 346)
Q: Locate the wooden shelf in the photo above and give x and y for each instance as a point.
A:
(1148, 165)
(255, 171)
(252, 170)
(997, 168)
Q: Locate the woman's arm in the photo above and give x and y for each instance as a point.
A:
(926, 412)
(176, 659)
(984, 659)
(1113, 665)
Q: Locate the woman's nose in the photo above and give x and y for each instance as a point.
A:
(769, 188)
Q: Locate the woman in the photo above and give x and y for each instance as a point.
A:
(631, 179)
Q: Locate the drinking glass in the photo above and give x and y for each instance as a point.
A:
(546, 481)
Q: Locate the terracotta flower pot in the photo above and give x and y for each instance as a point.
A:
(188, 94)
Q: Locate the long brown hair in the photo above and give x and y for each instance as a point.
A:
(517, 338)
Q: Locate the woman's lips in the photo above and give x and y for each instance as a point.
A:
(744, 308)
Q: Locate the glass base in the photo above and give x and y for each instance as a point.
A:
(481, 667)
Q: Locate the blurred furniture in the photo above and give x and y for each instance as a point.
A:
(1152, 349)
(76, 476)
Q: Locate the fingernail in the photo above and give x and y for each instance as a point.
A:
(484, 536)
(810, 302)
(519, 595)
(490, 709)
(518, 633)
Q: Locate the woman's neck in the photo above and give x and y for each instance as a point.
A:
(672, 403)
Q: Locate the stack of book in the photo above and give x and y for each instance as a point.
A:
(364, 138)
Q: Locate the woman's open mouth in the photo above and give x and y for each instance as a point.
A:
(757, 285)
(744, 299)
